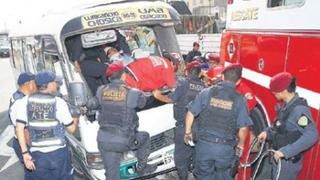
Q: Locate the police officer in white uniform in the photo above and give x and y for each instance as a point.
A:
(46, 117)
(27, 86)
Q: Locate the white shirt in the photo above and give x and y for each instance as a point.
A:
(63, 115)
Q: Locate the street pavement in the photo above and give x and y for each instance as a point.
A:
(10, 168)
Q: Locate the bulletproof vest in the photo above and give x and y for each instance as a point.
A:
(282, 136)
(219, 114)
(45, 130)
(114, 110)
(195, 86)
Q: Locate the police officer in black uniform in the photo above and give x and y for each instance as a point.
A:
(46, 117)
(223, 126)
(294, 130)
(187, 89)
(118, 122)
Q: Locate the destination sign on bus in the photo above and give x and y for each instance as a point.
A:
(118, 16)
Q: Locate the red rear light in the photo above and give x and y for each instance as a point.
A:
(230, 1)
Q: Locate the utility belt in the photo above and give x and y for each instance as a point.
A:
(209, 137)
(116, 131)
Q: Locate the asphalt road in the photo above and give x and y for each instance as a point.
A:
(10, 168)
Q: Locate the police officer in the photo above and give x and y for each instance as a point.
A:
(27, 86)
(223, 118)
(46, 117)
(294, 130)
(118, 122)
(187, 89)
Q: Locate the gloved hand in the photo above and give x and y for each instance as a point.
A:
(236, 162)
(92, 103)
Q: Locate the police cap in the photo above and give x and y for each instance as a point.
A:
(114, 68)
(280, 82)
(214, 57)
(193, 64)
(233, 66)
(45, 77)
(25, 77)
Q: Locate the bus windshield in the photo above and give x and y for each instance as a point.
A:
(142, 38)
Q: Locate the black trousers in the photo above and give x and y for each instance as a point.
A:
(112, 148)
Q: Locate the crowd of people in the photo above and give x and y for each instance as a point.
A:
(212, 116)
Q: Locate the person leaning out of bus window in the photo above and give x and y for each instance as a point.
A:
(194, 52)
(27, 86)
(46, 117)
(293, 131)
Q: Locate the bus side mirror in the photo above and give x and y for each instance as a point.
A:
(78, 94)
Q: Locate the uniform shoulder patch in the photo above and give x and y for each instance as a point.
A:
(303, 121)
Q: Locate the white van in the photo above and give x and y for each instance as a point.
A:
(40, 44)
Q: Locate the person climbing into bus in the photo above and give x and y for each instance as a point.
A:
(119, 122)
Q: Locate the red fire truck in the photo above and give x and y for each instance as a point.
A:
(271, 36)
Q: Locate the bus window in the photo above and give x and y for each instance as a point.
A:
(17, 55)
(277, 3)
(32, 50)
(141, 38)
(49, 61)
(51, 56)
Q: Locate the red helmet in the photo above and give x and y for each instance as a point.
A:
(213, 57)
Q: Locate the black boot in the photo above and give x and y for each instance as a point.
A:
(146, 169)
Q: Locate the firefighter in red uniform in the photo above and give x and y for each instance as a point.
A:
(150, 73)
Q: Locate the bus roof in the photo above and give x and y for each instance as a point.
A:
(93, 16)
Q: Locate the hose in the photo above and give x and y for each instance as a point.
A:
(260, 156)
(246, 164)
(260, 160)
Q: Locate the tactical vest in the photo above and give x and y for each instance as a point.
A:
(45, 130)
(194, 88)
(219, 114)
(115, 113)
(282, 136)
